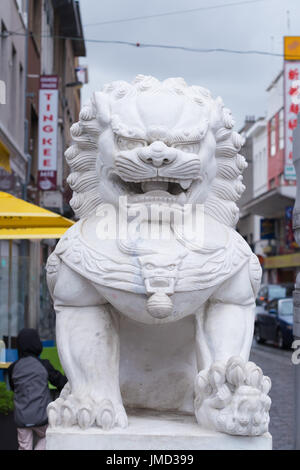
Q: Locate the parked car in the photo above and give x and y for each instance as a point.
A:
(276, 323)
(269, 292)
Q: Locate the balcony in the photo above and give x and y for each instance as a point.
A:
(272, 204)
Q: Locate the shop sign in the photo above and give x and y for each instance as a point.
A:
(292, 48)
(48, 125)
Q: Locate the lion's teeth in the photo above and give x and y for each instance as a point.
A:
(185, 184)
(154, 185)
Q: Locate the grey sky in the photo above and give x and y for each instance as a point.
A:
(240, 80)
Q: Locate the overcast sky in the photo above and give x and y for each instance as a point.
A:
(241, 80)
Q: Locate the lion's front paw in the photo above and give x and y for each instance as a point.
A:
(233, 398)
(69, 410)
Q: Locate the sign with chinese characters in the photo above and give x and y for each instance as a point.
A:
(292, 48)
(292, 108)
(48, 117)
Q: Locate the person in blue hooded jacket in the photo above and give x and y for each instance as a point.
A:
(28, 378)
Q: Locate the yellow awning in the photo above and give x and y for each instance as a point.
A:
(4, 157)
(22, 220)
(282, 261)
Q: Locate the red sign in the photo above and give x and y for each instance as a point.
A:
(48, 117)
(291, 106)
(47, 180)
(49, 82)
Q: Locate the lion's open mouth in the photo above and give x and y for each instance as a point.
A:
(156, 189)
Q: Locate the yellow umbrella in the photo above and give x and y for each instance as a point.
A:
(21, 220)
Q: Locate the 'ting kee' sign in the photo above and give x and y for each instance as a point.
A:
(48, 116)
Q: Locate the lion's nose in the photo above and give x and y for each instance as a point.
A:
(158, 154)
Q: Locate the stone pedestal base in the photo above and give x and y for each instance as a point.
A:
(151, 431)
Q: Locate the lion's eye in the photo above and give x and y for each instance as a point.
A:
(171, 267)
(129, 144)
(189, 147)
(149, 266)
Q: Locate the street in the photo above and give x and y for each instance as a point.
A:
(278, 366)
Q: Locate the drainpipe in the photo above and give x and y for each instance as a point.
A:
(24, 245)
(26, 125)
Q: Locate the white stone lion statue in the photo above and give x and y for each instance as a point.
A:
(156, 322)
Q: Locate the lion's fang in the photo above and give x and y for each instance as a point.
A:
(185, 184)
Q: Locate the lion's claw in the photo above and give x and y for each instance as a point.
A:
(238, 402)
(69, 411)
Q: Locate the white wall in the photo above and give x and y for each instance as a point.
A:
(260, 161)
(247, 228)
(275, 98)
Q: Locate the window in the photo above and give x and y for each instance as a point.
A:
(21, 98)
(21, 9)
(35, 22)
(286, 307)
(276, 291)
(273, 137)
(13, 90)
(4, 60)
(281, 129)
(273, 305)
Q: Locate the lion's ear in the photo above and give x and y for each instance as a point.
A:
(102, 104)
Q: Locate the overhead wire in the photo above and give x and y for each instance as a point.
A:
(177, 12)
(157, 46)
(162, 46)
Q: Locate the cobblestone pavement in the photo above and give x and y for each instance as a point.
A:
(278, 366)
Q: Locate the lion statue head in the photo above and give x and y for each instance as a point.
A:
(156, 140)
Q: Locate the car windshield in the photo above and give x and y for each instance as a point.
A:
(286, 307)
(275, 292)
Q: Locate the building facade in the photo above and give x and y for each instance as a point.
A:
(13, 161)
(255, 152)
(13, 158)
(273, 193)
(56, 55)
(39, 38)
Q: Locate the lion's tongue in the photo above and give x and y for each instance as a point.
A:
(155, 186)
